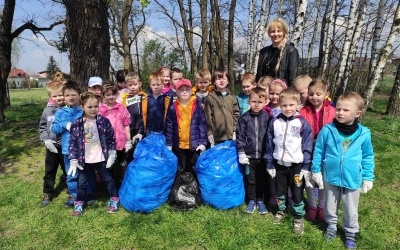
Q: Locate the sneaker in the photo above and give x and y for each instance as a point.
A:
(70, 201)
(251, 207)
(330, 233)
(298, 226)
(312, 213)
(90, 200)
(279, 216)
(261, 207)
(350, 243)
(321, 214)
(113, 205)
(47, 198)
(78, 209)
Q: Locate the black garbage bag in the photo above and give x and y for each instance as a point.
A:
(185, 193)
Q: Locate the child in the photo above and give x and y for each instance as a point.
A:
(301, 84)
(121, 84)
(203, 85)
(61, 125)
(251, 129)
(264, 83)
(343, 164)
(275, 88)
(222, 110)
(186, 130)
(318, 112)
(176, 75)
(166, 79)
(95, 84)
(248, 83)
(120, 119)
(54, 156)
(92, 147)
(288, 156)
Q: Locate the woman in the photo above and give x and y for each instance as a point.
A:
(280, 59)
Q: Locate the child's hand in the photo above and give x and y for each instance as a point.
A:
(211, 140)
(128, 145)
(307, 177)
(50, 146)
(137, 137)
(234, 136)
(111, 158)
(272, 172)
(317, 177)
(169, 148)
(243, 159)
(68, 126)
(74, 165)
(201, 148)
(367, 185)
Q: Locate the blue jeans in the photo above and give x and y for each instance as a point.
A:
(72, 181)
(88, 173)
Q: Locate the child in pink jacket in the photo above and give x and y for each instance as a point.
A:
(120, 119)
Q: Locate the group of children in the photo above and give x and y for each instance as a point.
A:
(293, 135)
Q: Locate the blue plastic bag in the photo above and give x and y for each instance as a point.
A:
(220, 180)
(149, 177)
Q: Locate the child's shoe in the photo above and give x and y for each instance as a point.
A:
(312, 213)
(298, 226)
(251, 207)
(78, 209)
(321, 213)
(261, 207)
(331, 233)
(70, 201)
(47, 198)
(113, 205)
(279, 216)
(350, 243)
(90, 200)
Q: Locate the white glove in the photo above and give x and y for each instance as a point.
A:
(234, 136)
(201, 148)
(128, 145)
(50, 145)
(367, 185)
(169, 148)
(243, 158)
(307, 177)
(211, 140)
(137, 137)
(272, 172)
(111, 158)
(68, 126)
(317, 177)
(74, 165)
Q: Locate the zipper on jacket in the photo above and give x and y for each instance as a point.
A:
(256, 131)
(284, 140)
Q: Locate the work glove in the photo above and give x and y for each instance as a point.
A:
(128, 145)
(169, 148)
(234, 136)
(211, 140)
(111, 158)
(367, 185)
(317, 177)
(307, 177)
(201, 148)
(68, 126)
(243, 158)
(137, 137)
(74, 165)
(272, 172)
(50, 146)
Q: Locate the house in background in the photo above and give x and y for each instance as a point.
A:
(43, 78)
(16, 77)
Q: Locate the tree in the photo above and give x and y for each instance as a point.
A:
(393, 107)
(52, 66)
(7, 36)
(299, 24)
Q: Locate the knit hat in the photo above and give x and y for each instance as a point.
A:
(95, 80)
(183, 82)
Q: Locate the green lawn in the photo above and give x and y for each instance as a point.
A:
(26, 225)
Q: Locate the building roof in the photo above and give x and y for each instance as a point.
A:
(17, 73)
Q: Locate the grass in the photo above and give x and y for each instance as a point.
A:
(26, 225)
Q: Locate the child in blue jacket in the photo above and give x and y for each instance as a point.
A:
(343, 165)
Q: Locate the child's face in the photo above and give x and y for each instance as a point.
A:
(71, 97)
(303, 89)
(166, 77)
(110, 98)
(175, 78)
(91, 108)
(221, 83)
(156, 87)
(274, 91)
(288, 106)
(256, 103)
(96, 89)
(202, 84)
(347, 111)
(57, 97)
(133, 86)
(316, 96)
(184, 93)
(122, 85)
(247, 86)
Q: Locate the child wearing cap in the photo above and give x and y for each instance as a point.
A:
(186, 128)
(95, 85)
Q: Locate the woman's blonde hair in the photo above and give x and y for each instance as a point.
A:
(282, 25)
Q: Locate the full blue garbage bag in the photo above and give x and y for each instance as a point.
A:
(149, 177)
(220, 180)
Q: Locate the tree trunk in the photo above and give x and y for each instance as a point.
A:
(382, 58)
(231, 61)
(125, 35)
(299, 25)
(377, 35)
(322, 37)
(89, 38)
(328, 40)
(204, 34)
(260, 34)
(250, 34)
(393, 107)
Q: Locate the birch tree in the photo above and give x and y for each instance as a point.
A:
(382, 58)
(264, 15)
(299, 24)
(328, 40)
(230, 44)
(393, 107)
(250, 34)
(204, 34)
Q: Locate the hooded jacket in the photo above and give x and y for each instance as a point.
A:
(327, 114)
(45, 123)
